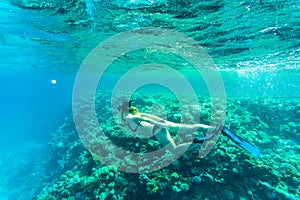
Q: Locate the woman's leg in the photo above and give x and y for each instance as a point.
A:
(164, 137)
(186, 128)
(174, 127)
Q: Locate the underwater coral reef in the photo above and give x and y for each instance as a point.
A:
(228, 172)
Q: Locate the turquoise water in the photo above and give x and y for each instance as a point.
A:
(255, 46)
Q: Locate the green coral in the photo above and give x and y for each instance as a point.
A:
(180, 187)
(276, 170)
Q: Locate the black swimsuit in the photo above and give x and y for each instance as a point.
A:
(155, 127)
(133, 130)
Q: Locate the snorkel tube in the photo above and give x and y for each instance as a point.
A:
(124, 106)
(128, 107)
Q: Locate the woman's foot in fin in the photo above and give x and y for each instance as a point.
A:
(213, 132)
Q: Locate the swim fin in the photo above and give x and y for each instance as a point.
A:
(216, 130)
(241, 142)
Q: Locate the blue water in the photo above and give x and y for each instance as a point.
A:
(31, 106)
(32, 56)
(29, 96)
